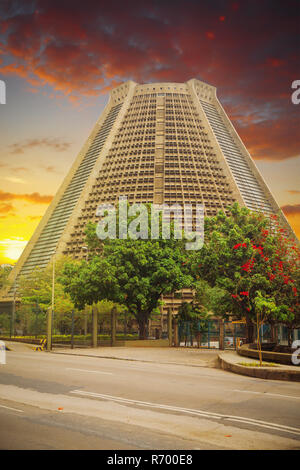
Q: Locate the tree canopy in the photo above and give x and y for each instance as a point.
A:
(245, 254)
(133, 272)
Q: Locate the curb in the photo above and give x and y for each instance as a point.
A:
(214, 365)
(260, 373)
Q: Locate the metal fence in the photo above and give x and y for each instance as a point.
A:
(195, 334)
(75, 328)
(234, 334)
(71, 329)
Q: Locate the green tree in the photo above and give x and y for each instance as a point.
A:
(131, 272)
(35, 292)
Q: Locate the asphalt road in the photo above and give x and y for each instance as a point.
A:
(52, 401)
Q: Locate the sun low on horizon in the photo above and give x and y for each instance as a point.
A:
(14, 238)
(11, 249)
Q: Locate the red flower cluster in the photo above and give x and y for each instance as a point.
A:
(248, 266)
(294, 289)
(259, 249)
(238, 245)
(281, 268)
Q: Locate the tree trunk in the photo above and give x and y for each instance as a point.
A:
(259, 341)
(142, 328)
(249, 331)
(274, 334)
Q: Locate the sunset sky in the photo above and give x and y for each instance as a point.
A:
(60, 58)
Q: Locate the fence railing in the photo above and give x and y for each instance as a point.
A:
(195, 334)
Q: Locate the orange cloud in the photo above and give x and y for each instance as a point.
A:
(6, 208)
(35, 198)
(294, 220)
(34, 217)
(291, 209)
(292, 212)
(20, 147)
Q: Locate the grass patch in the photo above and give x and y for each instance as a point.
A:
(257, 364)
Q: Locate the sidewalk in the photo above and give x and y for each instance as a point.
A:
(227, 360)
(180, 356)
(231, 361)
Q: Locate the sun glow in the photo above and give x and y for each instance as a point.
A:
(11, 248)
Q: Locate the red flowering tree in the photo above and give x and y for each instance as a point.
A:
(284, 275)
(243, 255)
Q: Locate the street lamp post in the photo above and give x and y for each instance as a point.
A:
(13, 313)
(85, 248)
(49, 329)
(50, 311)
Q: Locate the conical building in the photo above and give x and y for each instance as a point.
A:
(160, 142)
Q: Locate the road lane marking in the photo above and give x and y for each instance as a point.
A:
(272, 426)
(268, 394)
(201, 413)
(13, 409)
(93, 371)
(141, 403)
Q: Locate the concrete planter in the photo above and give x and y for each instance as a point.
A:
(249, 350)
(267, 373)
